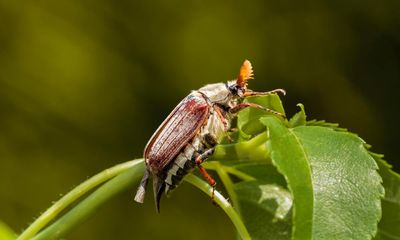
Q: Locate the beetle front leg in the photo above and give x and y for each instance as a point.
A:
(199, 160)
(251, 93)
(242, 106)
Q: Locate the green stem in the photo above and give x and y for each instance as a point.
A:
(89, 205)
(75, 194)
(240, 174)
(127, 175)
(214, 165)
(226, 180)
(222, 202)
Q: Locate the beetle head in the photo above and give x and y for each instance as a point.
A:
(227, 93)
(238, 87)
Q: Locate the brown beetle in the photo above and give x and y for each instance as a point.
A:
(189, 134)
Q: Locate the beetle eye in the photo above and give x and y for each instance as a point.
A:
(233, 89)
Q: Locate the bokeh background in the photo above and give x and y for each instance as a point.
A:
(83, 85)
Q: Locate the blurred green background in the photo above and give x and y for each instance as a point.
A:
(83, 85)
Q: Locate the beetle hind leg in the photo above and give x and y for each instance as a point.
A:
(199, 160)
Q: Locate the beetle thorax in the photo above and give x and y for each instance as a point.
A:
(218, 93)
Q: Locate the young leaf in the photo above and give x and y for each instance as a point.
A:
(299, 119)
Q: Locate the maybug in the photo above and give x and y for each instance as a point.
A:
(191, 131)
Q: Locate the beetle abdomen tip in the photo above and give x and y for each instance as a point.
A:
(141, 192)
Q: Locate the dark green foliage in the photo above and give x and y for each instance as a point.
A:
(330, 176)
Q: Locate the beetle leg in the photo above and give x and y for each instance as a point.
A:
(199, 160)
(251, 93)
(224, 121)
(221, 116)
(241, 106)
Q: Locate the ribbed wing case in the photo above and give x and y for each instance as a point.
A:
(176, 131)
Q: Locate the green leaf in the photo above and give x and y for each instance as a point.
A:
(6, 233)
(263, 172)
(345, 186)
(289, 157)
(323, 123)
(259, 191)
(388, 227)
(265, 203)
(328, 170)
(265, 209)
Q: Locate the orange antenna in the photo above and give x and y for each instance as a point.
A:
(245, 73)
